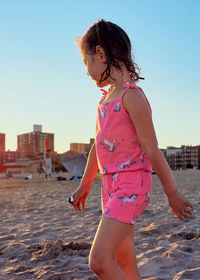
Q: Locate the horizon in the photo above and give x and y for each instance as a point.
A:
(43, 79)
(164, 148)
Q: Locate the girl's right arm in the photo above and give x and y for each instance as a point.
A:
(83, 190)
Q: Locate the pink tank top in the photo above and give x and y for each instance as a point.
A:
(117, 144)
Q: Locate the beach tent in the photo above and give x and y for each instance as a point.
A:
(74, 162)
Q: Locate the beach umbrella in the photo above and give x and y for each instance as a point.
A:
(74, 162)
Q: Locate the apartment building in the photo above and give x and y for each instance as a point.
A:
(183, 157)
(34, 144)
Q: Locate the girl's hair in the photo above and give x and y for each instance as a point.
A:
(116, 44)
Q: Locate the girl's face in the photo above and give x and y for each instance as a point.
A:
(96, 65)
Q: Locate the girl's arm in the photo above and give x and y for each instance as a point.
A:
(90, 169)
(81, 193)
(138, 109)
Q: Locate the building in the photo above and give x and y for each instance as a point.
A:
(174, 157)
(2, 142)
(82, 147)
(191, 156)
(9, 156)
(34, 144)
(6, 156)
(2, 146)
(183, 157)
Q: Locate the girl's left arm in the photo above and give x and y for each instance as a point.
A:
(137, 107)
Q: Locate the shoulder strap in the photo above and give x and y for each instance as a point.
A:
(102, 98)
(123, 93)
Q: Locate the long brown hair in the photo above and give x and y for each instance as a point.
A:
(116, 44)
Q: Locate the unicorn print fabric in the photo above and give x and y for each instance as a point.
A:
(126, 182)
(117, 144)
(125, 195)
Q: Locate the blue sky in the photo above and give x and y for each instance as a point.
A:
(43, 80)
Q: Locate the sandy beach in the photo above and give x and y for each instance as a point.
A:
(42, 237)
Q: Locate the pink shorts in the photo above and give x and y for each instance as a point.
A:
(125, 195)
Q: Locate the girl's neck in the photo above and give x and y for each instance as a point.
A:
(120, 79)
(116, 88)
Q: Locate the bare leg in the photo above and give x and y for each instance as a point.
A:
(110, 234)
(126, 257)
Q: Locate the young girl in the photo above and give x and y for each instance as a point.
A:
(48, 166)
(125, 150)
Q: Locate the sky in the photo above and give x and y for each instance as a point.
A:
(43, 79)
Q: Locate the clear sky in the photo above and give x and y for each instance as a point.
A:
(43, 80)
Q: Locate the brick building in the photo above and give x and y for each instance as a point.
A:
(82, 147)
(183, 157)
(33, 144)
(2, 146)
(6, 156)
(191, 156)
(2, 142)
(9, 156)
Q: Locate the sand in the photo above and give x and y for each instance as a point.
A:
(42, 237)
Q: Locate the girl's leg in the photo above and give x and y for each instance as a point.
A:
(110, 235)
(126, 257)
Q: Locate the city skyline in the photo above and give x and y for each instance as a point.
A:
(45, 132)
(43, 79)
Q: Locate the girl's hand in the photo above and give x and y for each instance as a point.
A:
(80, 196)
(180, 206)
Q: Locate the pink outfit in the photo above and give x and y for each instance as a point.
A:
(117, 144)
(126, 181)
(125, 195)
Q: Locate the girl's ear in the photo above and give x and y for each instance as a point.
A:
(101, 54)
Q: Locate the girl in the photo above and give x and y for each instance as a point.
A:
(125, 150)
(48, 166)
